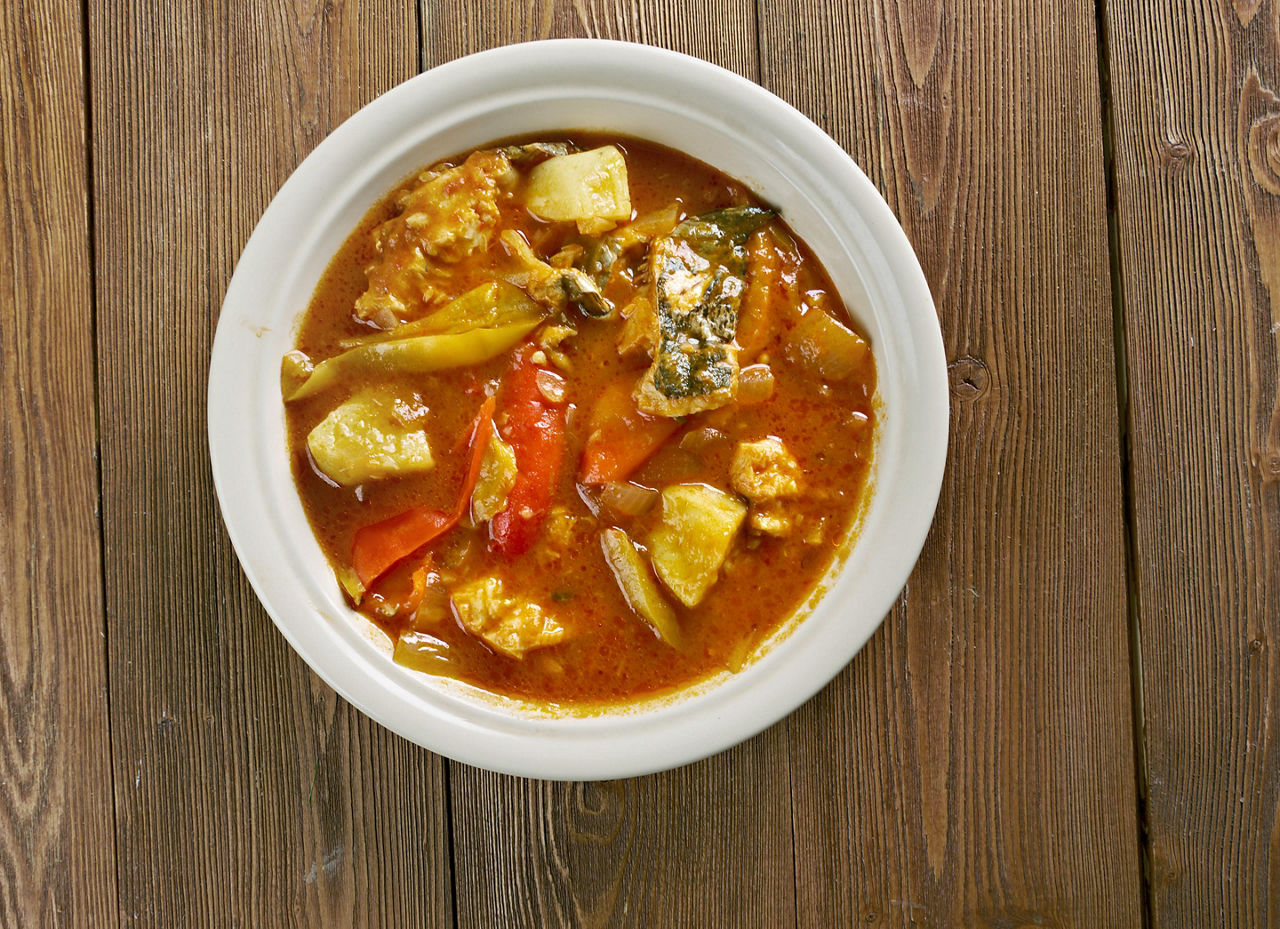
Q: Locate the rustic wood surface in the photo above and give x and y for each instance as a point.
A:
(1109, 525)
(246, 792)
(1196, 99)
(940, 780)
(57, 862)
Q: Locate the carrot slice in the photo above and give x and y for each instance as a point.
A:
(622, 438)
(398, 593)
(378, 547)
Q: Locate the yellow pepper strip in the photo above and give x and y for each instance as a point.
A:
(488, 306)
(419, 355)
(638, 586)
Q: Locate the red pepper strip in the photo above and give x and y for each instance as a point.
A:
(536, 433)
(622, 438)
(379, 546)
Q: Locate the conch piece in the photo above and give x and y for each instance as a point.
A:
(553, 287)
(530, 153)
(696, 279)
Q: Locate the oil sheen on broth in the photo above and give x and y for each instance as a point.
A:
(578, 419)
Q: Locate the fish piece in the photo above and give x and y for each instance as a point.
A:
(511, 625)
(530, 153)
(601, 254)
(764, 470)
(766, 473)
(449, 214)
(697, 278)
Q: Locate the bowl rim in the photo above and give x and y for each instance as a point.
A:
(626, 740)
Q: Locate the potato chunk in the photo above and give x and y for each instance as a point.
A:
(689, 546)
(511, 625)
(589, 188)
(373, 435)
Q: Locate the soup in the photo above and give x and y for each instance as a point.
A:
(578, 420)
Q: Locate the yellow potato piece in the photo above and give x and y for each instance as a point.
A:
(689, 546)
(637, 585)
(589, 188)
(373, 435)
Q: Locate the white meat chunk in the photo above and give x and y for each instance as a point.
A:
(449, 214)
(455, 212)
(766, 473)
(511, 625)
(764, 470)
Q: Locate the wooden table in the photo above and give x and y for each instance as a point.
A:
(1069, 718)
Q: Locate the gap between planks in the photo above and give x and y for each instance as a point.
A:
(1123, 423)
(91, 239)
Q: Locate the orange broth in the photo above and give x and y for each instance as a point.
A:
(609, 654)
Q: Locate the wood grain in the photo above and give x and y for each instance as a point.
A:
(709, 844)
(974, 765)
(720, 31)
(1196, 91)
(246, 792)
(57, 860)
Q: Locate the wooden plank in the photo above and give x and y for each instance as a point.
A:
(974, 765)
(247, 792)
(709, 844)
(57, 860)
(1196, 90)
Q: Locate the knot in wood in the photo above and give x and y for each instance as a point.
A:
(1268, 465)
(1175, 153)
(1258, 644)
(597, 812)
(1264, 152)
(969, 377)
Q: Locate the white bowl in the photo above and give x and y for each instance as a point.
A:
(678, 101)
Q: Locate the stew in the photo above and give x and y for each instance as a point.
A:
(578, 420)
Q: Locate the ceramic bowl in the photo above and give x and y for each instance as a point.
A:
(686, 104)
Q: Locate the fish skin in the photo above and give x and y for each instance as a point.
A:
(698, 277)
